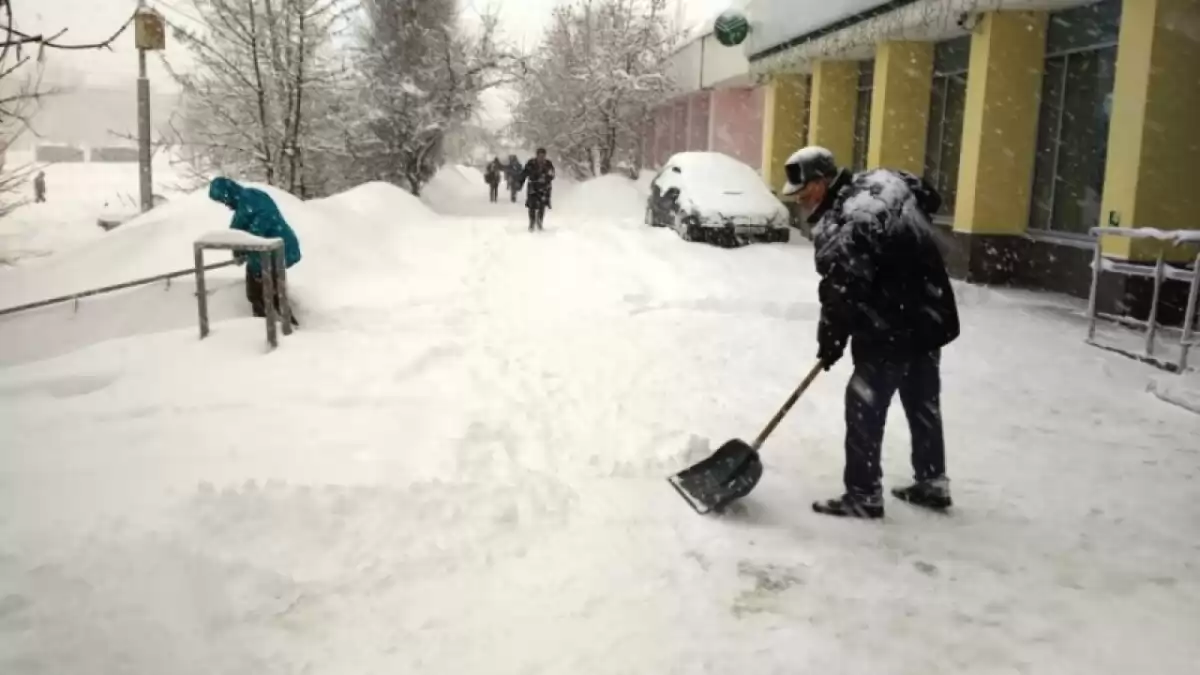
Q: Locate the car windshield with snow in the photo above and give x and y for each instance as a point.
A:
(714, 198)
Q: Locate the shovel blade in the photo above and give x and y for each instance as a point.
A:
(727, 475)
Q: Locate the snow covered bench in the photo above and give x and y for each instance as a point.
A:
(1160, 273)
(270, 252)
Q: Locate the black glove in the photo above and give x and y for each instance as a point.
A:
(830, 345)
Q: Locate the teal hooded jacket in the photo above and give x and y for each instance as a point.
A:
(255, 212)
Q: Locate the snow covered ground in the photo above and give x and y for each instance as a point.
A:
(457, 465)
(77, 194)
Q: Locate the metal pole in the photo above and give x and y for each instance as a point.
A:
(1185, 341)
(285, 306)
(266, 262)
(143, 105)
(1152, 323)
(1097, 267)
(201, 295)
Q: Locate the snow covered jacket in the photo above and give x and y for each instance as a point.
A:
(883, 280)
(255, 212)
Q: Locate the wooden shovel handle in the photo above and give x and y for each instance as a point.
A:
(787, 405)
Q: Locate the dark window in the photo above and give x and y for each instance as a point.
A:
(1073, 123)
(947, 106)
(862, 113)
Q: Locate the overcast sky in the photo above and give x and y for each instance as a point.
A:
(93, 20)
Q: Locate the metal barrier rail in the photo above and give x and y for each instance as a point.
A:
(1160, 273)
(109, 289)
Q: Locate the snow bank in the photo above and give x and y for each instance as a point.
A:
(1180, 390)
(718, 187)
(614, 196)
(378, 200)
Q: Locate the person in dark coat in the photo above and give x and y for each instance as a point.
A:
(256, 213)
(492, 177)
(885, 291)
(39, 187)
(538, 174)
(513, 176)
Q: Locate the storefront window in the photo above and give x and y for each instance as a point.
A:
(947, 105)
(1081, 57)
(862, 114)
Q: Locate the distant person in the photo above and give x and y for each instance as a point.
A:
(538, 174)
(39, 187)
(492, 176)
(256, 213)
(885, 291)
(513, 176)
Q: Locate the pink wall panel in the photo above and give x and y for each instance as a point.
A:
(699, 110)
(737, 124)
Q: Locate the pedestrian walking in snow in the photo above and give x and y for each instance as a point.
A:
(256, 213)
(538, 175)
(885, 290)
(39, 187)
(513, 176)
(492, 177)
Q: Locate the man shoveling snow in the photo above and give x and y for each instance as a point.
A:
(884, 286)
(256, 213)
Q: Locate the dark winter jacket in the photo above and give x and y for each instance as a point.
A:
(255, 212)
(538, 177)
(513, 171)
(492, 175)
(883, 280)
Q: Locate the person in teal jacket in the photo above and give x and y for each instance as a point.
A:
(256, 213)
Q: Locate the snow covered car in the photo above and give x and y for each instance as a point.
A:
(712, 197)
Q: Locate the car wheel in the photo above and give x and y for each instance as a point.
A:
(680, 228)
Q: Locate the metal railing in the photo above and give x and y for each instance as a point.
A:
(1160, 272)
(109, 289)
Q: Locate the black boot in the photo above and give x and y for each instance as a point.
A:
(933, 494)
(852, 506)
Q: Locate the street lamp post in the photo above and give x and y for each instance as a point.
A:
(148, 36)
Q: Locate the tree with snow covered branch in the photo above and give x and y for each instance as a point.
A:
(419, 74)
(593, 82)
(263, 96)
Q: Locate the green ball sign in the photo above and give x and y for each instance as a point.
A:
(731, 27)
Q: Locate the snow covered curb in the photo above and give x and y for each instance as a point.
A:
(1180, 390)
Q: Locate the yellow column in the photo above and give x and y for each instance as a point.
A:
(834, 99)
(1154, 141)
(783, 125)
(1004, 84)
(900, 106)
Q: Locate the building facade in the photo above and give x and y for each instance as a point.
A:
(1036, 119)
(718, 107)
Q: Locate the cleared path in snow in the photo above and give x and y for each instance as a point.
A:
(464, 473)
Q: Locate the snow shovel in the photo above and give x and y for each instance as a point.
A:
(733, 470)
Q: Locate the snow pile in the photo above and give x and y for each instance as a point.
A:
(452, 185)
(719, 188)
(1181, 390)
(377, 201)
(611, 196)
(233, 238)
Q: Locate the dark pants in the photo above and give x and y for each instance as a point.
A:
(254, 291)
(537, 214)
(868, 397)
(494, 191)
